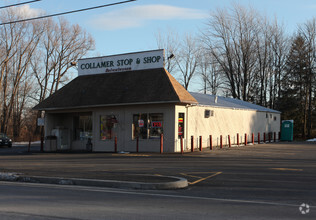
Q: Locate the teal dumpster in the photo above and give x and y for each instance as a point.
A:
(287, 130)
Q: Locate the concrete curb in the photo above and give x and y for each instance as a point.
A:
(179, 182)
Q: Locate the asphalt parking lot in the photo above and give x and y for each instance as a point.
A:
(275, 172)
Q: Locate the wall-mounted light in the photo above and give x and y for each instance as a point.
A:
(171, 56)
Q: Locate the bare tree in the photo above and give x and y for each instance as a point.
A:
(62, 44)
(244, 46)
(216, 39)
(41, 49)
(187, 60)
(21, 105)
(280, 48)
(210, 73)
(19, 43)
(231, 38)
(169, 41)
(263, 66)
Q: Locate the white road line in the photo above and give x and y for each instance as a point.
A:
(131, 192)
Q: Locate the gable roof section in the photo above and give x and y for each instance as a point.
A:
(183, 94)
(205, 99)
(124, 88)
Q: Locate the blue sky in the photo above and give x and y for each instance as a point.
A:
(132, 27)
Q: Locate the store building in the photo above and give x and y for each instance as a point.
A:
(132, 95)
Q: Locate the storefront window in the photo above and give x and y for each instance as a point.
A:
(147, 125)
(156, 125)
(83, 127)
(107, 125)
(140, 123)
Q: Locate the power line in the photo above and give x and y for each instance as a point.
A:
(18, 4)
(67, 12)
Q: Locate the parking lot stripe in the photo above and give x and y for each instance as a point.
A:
(200, 178)
(184, 174)
(286, 169)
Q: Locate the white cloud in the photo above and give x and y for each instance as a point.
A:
(28, 12)
(140, 15)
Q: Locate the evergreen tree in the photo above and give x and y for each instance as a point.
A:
(295, 90)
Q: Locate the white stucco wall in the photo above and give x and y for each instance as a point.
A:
(225, 122)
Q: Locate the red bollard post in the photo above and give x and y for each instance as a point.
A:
(211, 143)
(181, 143)
(192, 143)
(200, 143)
(115, 144)
(237, 139)
(245, 139)
(137, 144)
(269, 137)
(253, 138)
(274, 137)
(258, 137)
(229, 143)
(264, 137)
(161, 143)
(221, 141)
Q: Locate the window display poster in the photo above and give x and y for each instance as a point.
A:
(141, 123)
(181, 125)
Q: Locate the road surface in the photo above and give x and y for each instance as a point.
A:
(39, 201)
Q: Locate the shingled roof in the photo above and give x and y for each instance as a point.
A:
(124, 88)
